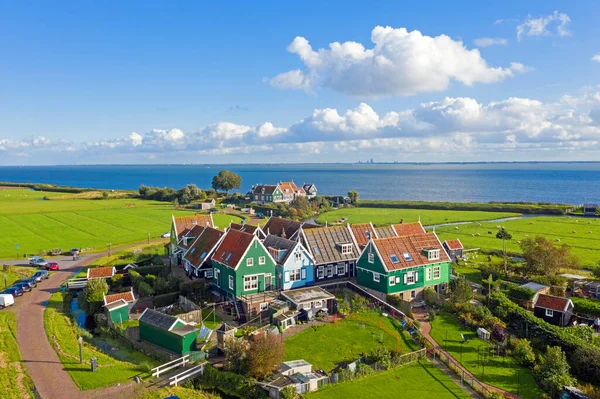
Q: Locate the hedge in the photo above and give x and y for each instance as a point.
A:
(518, 207)
(525, 325)
(165, 299)
(586, 306)
(521, 293)
(157, 270)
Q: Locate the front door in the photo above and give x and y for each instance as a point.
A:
(268, 282)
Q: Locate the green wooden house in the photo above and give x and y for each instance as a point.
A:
(168, 332)
(184, 230)
(404, 265)
(242, 265)
(118, 306)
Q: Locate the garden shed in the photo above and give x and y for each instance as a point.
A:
(168, 332)
(117, 311)
(483, 334)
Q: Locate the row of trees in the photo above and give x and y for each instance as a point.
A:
(183, 196)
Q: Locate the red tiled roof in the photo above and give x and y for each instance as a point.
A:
(359, 231)
(183, 223)
(127, 296)
(454, 244)
(413, 245)
(407, 229)
(290, 187)
(100, 272)
(552, 302)
(232, 248)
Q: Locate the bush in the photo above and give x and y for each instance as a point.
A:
(150, 279)
(92, 296)
(144, 289)
(135, 278)
(521, 293)
(523, 353)
(166, 299)
(156, 270)
(586, 306)
(230, 383)
(116, 282)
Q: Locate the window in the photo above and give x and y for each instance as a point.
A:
(217, 275)
(549, 313)
(394, 258)
(392, 280)
(298, 257)
(295, 275)
(320, 272)
(209, 273)
(330, 271)
(316, 250)
(436, 272)
(317, 304)
(228, 257)
(250, 283)
(303, 274)
(341, 269)
(410, 278)
(428, 274)
(346, 249)
(261, 260)
(433, 254)
(376, 277)
(413, 294)
(397, 280)
(203, 255)
(371, 258)
(264, 306)
(250, 262)
(230, 282)
(407, 256)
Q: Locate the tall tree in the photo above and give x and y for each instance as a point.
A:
(461, 290)
(265, 355)
(353, 195)
(92, 296)
(504, 236)
(226, 181)
(552, 370)
(542, 257)
(235, 350)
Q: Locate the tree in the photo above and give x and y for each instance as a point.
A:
(145, 289)
(265, 355)
(104, 194)
(353, 195)
(461, 290)
(523, 352)
(552, 370)
(235, 350)
(504, 235)
(581, 359)
(302, 207)
(92, 296)
(288, 392)
(226, 181)
(543, 258)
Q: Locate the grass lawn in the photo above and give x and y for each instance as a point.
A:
(14, 380)
(499, 372)
(16, 273)
(382, 216)
(585, 245)
(211, 320)
(126, 256)
(417, 380)
(326, 345)
(62, 334)
(66, 222)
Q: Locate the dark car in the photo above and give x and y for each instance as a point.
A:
(14, 291)
(41, 275)
(24, 285)
(32, 282)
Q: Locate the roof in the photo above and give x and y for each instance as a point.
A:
(453, 244)
(188, 236)
(406, 229)
(279, 227)
(385, 231)
(233, 247)
(100, 272)
(126, 296)
(307, 294)
(226, 327)
(280, 243)
(308, 186)
(551, 302)
(268, 189)
(248, 228)
(290, 187)
(324, 244)
(413, 246)
(116, 304)
(183, 223)
(158, 319)
(184, 330)
(535, 287)
(202, 246)
(362, 233)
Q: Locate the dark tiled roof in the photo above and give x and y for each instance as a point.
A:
(552, 302)
(324, 244)
(232, 247)
(203, 245)
(157, 319)
(385, 231)
(280, 244)
(188, 236)
(247, 228)
(183, 223)
(307, 187)
(361, 232)
(453, 244)
(268, 189)
(277, 226)
(413, 245)
(406, 229)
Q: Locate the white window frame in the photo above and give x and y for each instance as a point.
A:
(264, 306)
(433, 254)
(317, 304)
(437, 272)
(371, 257)
(231, 282)
(392, 280)
(217, 275)
(303, 274)
(428, 273)
(330, 271)
(413, 294)
(320, 272)
(209, 273)
(250, 262)
(262, 260)
(298, 257)
(248, 282)
(295, 275)
(410, 276)
(397, 279)
(346, 249)
(343, 269)
(549, 313)
(376, 277)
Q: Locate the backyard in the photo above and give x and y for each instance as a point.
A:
(499, 371)
(14, 380)
(326, 345)
(417, 380)
(61, 221)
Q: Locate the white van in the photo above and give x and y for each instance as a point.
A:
(6, 300)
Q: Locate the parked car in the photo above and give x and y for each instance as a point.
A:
(6, 300)
(40, 275)
(31, 281)
(52, 266)
(37, 261)
(25, 287)
(74, 252)
(14, 291)
(166, 235)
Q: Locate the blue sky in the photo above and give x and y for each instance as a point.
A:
(136, 82)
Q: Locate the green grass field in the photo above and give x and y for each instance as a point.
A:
(64, 222)
(584, 245)
(14, 380)
(417, 380)
(499, 371)
(62, 334)
(15, 273)
(326, 345)
(383, 216)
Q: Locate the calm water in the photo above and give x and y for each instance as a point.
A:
(573, 183)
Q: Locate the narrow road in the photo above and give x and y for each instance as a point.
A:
(43, 364)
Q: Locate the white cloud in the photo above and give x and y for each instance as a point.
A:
(400, 63)
(489, 41)
(539, 26)
(596, 57)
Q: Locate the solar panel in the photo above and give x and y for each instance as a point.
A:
(394, 259)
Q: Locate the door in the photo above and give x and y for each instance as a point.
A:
(268, 282)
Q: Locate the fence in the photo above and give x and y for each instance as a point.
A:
(195, 316)
(187, 305)
(187, 374)
(181, 362)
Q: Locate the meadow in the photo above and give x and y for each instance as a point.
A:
(62, 221)
(417, 380)
(383, 216)
(582, 235)
(14, 380)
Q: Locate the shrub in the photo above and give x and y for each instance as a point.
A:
(144, 289)
(586, 306)
(461, 290)
(150, 279)
(364, 370)
(92, 296)
(380, 355)
(135, 279)
(116, 282)
(521, 293)
(156, 270)
(523, 353)
(552, 371)
(499, 333)
(165, 299)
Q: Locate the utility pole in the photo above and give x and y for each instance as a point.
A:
(148, 238)
(109, 249)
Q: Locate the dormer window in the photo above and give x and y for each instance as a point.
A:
(432, 253)
(346, 248)
(407, 256)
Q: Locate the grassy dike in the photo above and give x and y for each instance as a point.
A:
(14, 380)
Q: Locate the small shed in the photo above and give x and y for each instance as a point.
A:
(281, 316)
(483, 334)
(553, 309)
(168, 332)
(224, 332)
(454, 249)
(207, 204)
(117, 311)
(310, 300)
(590, 209)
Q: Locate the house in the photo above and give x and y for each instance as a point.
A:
(281, 227)
(248, 228)
(553, 309)
(537, 288)
(128, 297)
(290, 191)
(242, 265)
(100, 272)
(295, 266)
(117, 311)
(207, 204)
(284, 192)
(310, 190)
(310, 300)
(197, 259)
(180, 227)
(333, 250)
(362, 233)
(168, 332)
(590, 209)
(296, 373)
(404, 265)
(454, 248)
(587, 288)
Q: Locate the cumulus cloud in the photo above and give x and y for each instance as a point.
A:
(399, 63)
(596, 57)
(489, 41)
(540, 26)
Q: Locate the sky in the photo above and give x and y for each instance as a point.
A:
(265, 82)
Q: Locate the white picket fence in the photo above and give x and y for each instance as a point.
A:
(181, 377)
(181, 362)
(76, 283)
